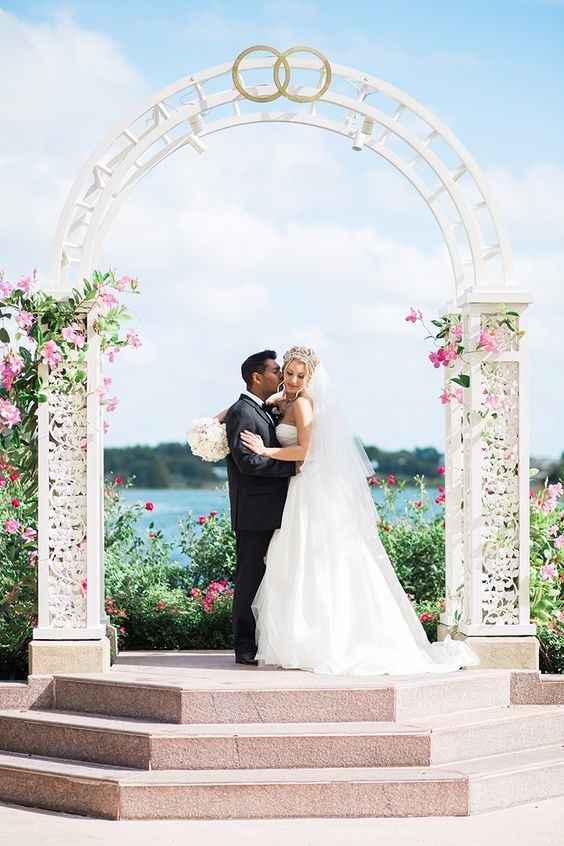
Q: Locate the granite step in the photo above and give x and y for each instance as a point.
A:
(317, 699)
(132, 743)
(118, 793)
(503, 781)
(529, 687)
(160, 746)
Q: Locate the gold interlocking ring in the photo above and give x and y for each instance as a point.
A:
(282, 86)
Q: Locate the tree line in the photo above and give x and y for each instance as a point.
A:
(172, 465)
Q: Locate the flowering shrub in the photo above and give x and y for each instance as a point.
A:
(211, 550)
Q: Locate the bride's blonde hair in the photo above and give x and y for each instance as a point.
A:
(306, 355)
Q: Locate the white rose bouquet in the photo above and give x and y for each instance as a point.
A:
(208, 439)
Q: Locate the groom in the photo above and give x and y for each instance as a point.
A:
(257, 492)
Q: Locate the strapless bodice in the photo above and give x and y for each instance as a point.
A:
(287, 434)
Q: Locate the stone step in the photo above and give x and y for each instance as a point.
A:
(529, 687)
(131, 743)
(502, 781)
(161, 746)
(118, 793)
(493, 731)
(175, 699)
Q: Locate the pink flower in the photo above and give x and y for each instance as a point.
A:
(413, 316)
(214, 513)
(107, 299)
(119, 480)
(3, 482)
(84, 586)
(440, 499)
(559, 542)
(149, 506)
(32, 558)
(202, 519)
(437, 358)
(12, 366)
(29, 534)
(426, 617)
(25, 284)
(111, 404)
(122, 283)
(14, 476)
(111, 353)
(392, 479)
(73, 335)
(160, 605)
(51, 354)
(450, 353)
(492, 400)
(441, 470)
(445, 397)
(12, 526)
(548, 572)
(488, 341)
(9, 414)
(16, 502)
(106, 426)
(418, 504)
(196, 593)
(553, 531)
(133, 339)
(6, 289)
(25, 320)
(456, 331)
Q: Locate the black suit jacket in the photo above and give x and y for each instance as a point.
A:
(257, 485)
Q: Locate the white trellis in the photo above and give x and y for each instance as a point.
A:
(377, 117)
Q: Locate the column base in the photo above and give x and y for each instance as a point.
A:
(510, 652)
(112, 635)
(47, 657)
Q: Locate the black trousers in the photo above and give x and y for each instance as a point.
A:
(250, 568)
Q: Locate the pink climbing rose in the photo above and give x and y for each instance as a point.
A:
(73, 335)
(9, 413)
(133, 339)
(559, 542)
(456, 331)
(12, 526)
(6, 289)
(413, 316)
(25, 284)
(51, 354)
(488, 341)
(12, 366)
(25, 320)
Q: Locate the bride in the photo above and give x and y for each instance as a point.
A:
(330, 601)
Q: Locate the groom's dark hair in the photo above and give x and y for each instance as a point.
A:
(255, 363)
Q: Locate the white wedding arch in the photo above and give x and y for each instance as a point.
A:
(486, 457)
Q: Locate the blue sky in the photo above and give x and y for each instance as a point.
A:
(493, 72)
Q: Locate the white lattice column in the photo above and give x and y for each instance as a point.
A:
(71, 632)
(454, 506)
(495, 552)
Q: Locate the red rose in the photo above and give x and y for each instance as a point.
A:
(149, 506)
(391, 479)
(15, 502)
(119, 480)
(14, 476)
(214, 513)
(202, 519)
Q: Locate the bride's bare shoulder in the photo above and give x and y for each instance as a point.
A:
(304, 404)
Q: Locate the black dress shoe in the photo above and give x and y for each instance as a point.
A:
(246, 658)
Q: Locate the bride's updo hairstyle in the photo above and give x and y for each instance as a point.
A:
(306, 355)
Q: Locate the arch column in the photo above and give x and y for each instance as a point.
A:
(71, 632)
(487, 489)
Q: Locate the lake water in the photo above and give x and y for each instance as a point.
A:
(172, 505)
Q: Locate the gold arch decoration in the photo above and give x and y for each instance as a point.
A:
(282, 85)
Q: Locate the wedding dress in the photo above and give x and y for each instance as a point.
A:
(330, 600)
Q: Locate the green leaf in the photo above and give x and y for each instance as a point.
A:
(463, 380)
(4, 336)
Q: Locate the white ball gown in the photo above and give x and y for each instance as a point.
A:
(330, 601)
